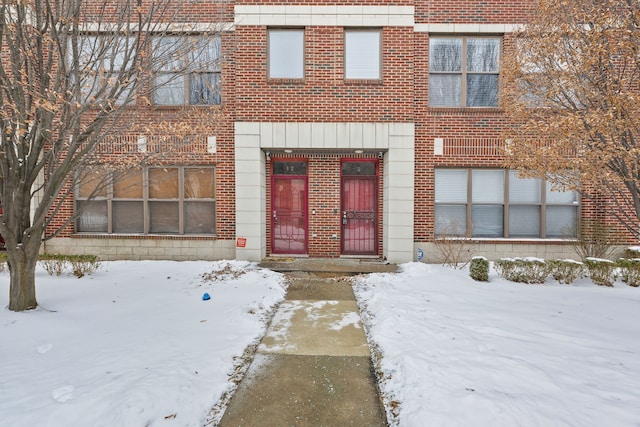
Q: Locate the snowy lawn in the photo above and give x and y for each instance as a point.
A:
(134, 344)
(455, 352)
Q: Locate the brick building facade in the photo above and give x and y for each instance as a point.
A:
(355, 128)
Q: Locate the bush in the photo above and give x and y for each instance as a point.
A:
(79, 265)
(522, 270)
(630, 271)
(53, 264)
(479, 269)
(601, 271)
(566, 271)
(83, 264)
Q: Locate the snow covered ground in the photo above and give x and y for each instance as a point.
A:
(134, 344)
(461, 353)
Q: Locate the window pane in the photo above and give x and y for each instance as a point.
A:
(289, 168)
(451, 186)
(128, 217)
(93, 183)
(524, 190)
(199, 183)
(561, 221)
(487, 220)
(204, 89)
(169, 90)
(286, 54)
(482, 90)
(163, 217)
(488, 186)
(451, 220)
(362, 54)
(444, 90)
(483, 55)
(561, 197)
(163, 183)
(128, 186)
(445, 54)
(204, 54)
(524, 221)
(93, 216)
(358, 168)
(169, 53)
(200, 217)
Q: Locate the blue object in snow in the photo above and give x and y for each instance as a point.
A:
(206, 297)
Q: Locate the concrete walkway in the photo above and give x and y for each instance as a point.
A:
(313, 366)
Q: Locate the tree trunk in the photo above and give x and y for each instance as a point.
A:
(22, 272)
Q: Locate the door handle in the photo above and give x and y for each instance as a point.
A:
(344, 217)
(275, 216)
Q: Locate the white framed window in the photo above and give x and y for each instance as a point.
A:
(464, 71)
(155, 200)
(286, 53)
(363, 54)
(187, 70)
(499, 203)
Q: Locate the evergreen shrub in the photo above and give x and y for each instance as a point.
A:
(479, 269)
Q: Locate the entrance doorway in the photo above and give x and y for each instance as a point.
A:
(359, 207)
(289, 207)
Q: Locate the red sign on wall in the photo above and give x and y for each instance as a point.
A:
(241, 242)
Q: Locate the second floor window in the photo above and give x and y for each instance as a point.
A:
(187, 70)
(463, 71)
(102, 66)
(362, 54)
(286, 54)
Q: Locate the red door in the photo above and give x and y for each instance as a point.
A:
(359, 208)
(289, 214)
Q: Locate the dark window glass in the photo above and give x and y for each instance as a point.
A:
(289, 168)
(358, 168)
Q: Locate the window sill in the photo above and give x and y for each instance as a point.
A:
(276, 81)
(465, 110)
(185, 106)
(364, 82)
(512, 240)
(144, 236)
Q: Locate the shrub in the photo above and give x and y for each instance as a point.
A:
(3, 261)
(454, 247)
(479, 269)
(79, 265)
(566, 271)
(522, 270)
(83, 264)
(601, 271)
(53, 264)
(630, 271)
(595, 239)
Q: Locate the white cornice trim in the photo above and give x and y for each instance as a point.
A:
(351, 16)
(466, 28)
(183, 27)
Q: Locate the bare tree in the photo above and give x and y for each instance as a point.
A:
(571, 96)
(69, 72)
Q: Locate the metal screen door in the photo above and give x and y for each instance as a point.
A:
(359, 208)
(289, 208)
